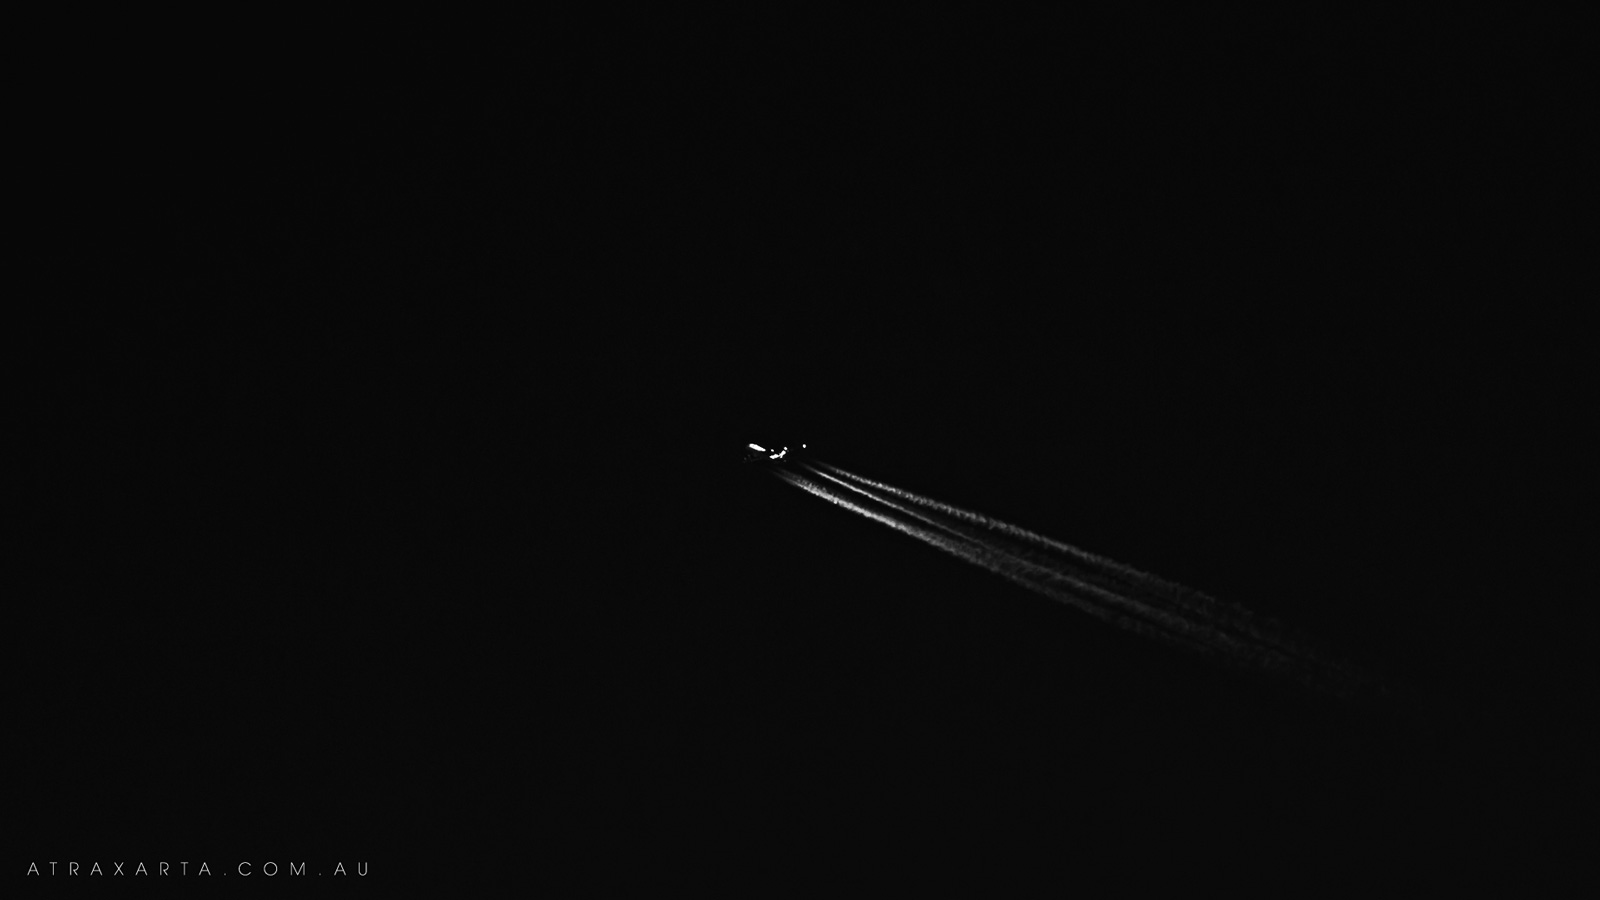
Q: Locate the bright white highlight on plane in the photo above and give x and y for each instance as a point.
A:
(758, 448)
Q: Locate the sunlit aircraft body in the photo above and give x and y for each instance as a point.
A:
(758, 453)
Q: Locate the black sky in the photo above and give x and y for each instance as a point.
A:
(392, 394)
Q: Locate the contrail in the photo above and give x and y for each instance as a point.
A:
(1129, 598)
(1040, 574)
(921, 534)
(1029, 570)
(985, 521)
(1230, 627)
(1053, 551)
(997, 563)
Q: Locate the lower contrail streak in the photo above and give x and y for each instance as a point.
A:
(1120, 594)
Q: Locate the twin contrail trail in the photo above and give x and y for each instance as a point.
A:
(1111, 591)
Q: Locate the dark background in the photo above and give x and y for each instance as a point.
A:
(390, 397)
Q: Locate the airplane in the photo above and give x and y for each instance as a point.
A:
(758, 453)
